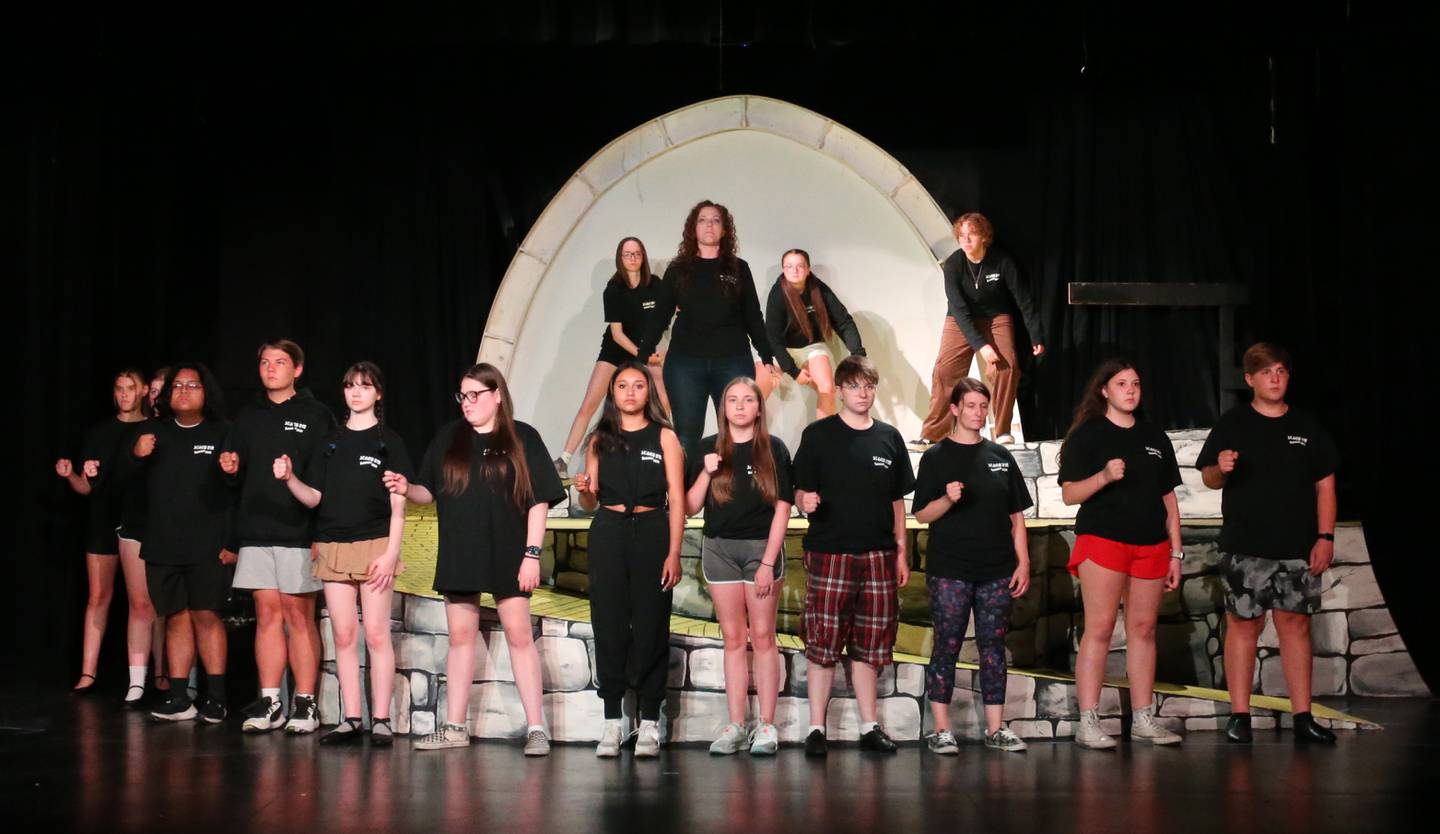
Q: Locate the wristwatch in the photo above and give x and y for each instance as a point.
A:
(532, 552)
(1177, 555)
(1329, 537)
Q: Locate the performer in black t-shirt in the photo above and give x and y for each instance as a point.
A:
(635, 473)
(983, 289)
(1277, 467)
(800, 315)
(851, 476)
(106, 475)
(358, 528)
(971, 493)
(718, 322)
(1122, 472)
(493, 485)
(631, 307)
(741, 478)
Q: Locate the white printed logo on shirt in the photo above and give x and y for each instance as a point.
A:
(1297, 440)
(372, 462)
(992, 277)
(1001, 466)
(299, 428)
(651, 456)
(199, 449)
(1154, 452)
(880, 463)
(647, 305)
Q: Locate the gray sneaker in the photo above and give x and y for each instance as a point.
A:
(765, 741)
(537, 743)
(942, 743)
(448, 735)
(647, 740)
(610, 738)
(1089, 735)
(732, 740)
(1005, 739)
(1144, 728)
(561, 469)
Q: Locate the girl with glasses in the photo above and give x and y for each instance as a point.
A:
(801, 314)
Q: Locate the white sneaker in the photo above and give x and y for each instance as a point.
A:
(732, 740)
(766, 740)
(537, 743)
(1144, 728)
(304, 716)
(647, 740)
(1005, 739)
(1089, 734)
(263, 715)
(610, 737)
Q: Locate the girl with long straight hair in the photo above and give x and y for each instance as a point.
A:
(493, 484)
(740, 476)
(801, 314)
(107, 474)
(1122, 472)
(635, 474)
(358, 528)
(631, 332)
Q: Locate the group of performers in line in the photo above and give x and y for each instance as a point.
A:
(292, 504)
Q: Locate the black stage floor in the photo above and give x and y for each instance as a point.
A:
(88, 765)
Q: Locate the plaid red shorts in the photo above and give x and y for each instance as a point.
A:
(851, 602)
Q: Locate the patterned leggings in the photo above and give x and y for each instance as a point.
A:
(950, 603)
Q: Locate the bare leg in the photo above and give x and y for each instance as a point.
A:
(1142, 608)
(729, 602)
(1101, 589)
(864, 678)
(1241, 638)
(375, 605)
(270, 656)
(994, 717)
(302, 640)
(210, 638)
(767, 652)
(463, 620)
(141, 622)
(594, 393)
(100, 572)
(1295, 656)
(822, 376)
(763, 379)
(345, 627)
(179, 645)
(818, 680)
(524, 656)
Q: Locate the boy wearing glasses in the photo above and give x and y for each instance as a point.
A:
(852, 473)
(275, 536)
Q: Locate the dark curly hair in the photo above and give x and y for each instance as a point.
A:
(689, 249)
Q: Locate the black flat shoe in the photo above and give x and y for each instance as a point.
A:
(877, 742)
(1308, 732)
(87, 689)
(815, 744)
(349, 731)
(1237, 730)
(385, 738)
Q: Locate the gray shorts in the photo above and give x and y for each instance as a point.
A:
(731, 561)
(1258, 585)
(284, 569)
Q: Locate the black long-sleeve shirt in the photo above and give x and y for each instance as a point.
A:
(984, 290)
(712, 323)
(785, 333)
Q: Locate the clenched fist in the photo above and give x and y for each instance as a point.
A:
(954, 490)
(1114, 470)
(1227, 460)
(229, 463)
(144, 445)
(712, 463)
(809, 502)
(64, 468)
(283, 469)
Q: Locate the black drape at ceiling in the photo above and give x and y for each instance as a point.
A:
(360, 185)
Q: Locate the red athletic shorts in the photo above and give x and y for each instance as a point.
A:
(1142, 561)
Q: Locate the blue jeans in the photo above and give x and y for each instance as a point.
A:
(691, 381)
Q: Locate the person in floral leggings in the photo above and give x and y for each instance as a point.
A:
(972, 495)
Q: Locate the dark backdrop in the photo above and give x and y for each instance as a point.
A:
(360, 185)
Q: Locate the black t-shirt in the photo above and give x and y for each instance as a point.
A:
(635, 475)
(482, 532)
(190, 500)
(719, 311)
(859, 474)
(973, 540)
(986, 290)
(110, 443)
(635, 309)
(1131, 510)
(269, 515)
(348, 472)
(1269, 499)
(745, 515)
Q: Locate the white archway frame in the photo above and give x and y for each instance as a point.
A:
(635, 148)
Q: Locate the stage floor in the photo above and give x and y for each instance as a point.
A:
(88, 765)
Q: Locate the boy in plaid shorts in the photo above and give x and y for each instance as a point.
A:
(851, 475)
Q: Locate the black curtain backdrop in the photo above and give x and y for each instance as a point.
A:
(360, 185)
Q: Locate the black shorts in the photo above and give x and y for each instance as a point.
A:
(101, 540)
(204, 586)
(614, 354)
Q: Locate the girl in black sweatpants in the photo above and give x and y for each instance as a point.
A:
(634, 472)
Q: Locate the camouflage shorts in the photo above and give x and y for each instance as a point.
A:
(1258, 585)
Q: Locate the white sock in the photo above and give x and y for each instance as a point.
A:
(565, 457)
(272, 694)
(612, 722)
(867, 726)
(648, 724)
(137, 675)
(533, 727)
(814, 727)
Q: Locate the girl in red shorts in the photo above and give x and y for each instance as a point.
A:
(1122, 472)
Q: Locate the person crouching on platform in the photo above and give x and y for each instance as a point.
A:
(493, 484)
(741, 477)
(1122, 472)
(800, 314)
(971, 493)
(851, 476)
(982, 288)
(1277, 467)
(358, 526)
(187, 560)
(635, 473)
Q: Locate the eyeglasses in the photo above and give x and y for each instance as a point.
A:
(186, 386)
(868, 387)
(471, 396)
(632, 256)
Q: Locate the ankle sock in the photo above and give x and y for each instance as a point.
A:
(815, 728)
(137, 675)
(533, 727)
(272, 694)
(867, 726)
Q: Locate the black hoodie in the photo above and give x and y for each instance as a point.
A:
(269, 516)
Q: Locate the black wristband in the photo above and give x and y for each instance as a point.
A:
(1329, 537)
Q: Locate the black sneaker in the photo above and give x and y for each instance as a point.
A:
(210, 711)
(815, 744)
(877, 742)
(263, 715)
(176, 707)
(1237, 729)
(1308, 732)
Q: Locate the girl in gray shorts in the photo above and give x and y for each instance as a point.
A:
(741, 477)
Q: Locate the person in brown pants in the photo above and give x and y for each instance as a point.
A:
(982, 287)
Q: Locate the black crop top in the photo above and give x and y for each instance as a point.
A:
(634, 476)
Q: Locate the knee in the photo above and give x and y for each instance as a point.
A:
(298, 616)
(142, 611)
(344, 634)
(736, 635)
(763, 639)
(377, 636)
(1099, 629)
(464, 639)
(100, 597)
(1141, 629)
(519, 639)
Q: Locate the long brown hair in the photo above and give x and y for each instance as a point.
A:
(142, 387)
(504, 469)
(762, 458)
(1092, 401)
(619, 278)
(811, 288)
(689, 248)
(607, 437)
